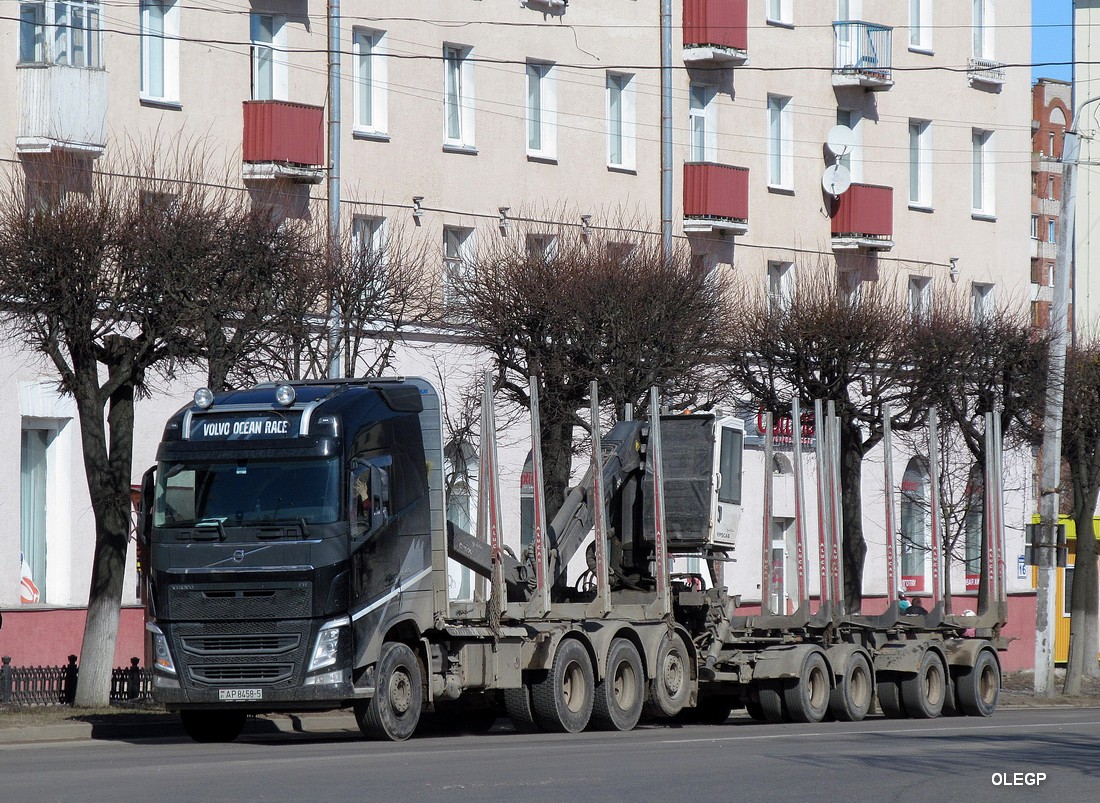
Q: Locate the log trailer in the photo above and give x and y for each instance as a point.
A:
(299, 548)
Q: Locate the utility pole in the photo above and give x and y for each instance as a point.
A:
(335, 366)
(1045, 540)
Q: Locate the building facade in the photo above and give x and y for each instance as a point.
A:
(885, 139)
(1051, 103)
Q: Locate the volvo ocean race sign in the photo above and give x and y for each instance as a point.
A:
(252, 426)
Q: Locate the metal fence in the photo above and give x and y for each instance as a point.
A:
(56, 685)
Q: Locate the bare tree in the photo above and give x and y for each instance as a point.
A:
(831, 338)
(570, 307)
(1081, 452)
(89, 278)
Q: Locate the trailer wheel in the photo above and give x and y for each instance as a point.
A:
(213, 726)
(394, 711)
(517, 703)
(807, 697)
(563, 701)
(924, 692)
(850, 700)
(889, 697)
(979, 688)
(670, 690)
(770, 693)
(620, 695)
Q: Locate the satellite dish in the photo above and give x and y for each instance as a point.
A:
(836, 180)
(841, 140)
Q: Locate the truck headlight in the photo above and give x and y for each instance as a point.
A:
(162, 656)
(327, 647)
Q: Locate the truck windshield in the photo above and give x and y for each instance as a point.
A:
(247, 492)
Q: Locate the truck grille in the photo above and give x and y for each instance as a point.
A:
(236, 644)
(221, 604)
(239, 673)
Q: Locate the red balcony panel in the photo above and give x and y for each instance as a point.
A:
(279, 131)
(865, 210)
(720, 23)
(716, 191)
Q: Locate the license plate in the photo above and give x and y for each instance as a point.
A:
(240, 694)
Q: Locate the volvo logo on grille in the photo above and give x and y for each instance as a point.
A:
(238, 555)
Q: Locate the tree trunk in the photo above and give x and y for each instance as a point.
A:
(108, 475)
(1083, 637)
(855, 547)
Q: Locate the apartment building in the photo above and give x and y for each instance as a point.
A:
(1052, 111)
(462, 117)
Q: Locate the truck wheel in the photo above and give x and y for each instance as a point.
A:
(771, 701)
(850, 700)
(924, 692)
(889, 697)
(213, 726)
(517, 703)
(807, 697)
(755, 710)
(563, 701)
(979, 688)
(620, 695)
(394, 711)
(670, 690)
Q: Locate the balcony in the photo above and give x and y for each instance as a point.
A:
(283, 140)
(716, 198)
(61, 108)
(985, 73)
(716, 32)
(862, 55)
(863, 219)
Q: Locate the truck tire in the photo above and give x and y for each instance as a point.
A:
(924, 692)
(755, 710)
(770, 693)
(394, 711)
(807, 697)
(889, 697)
(563, 701)
(850, 700)
(979, 688)
(213, 726)
(620, 695)
(670, 689)
(517, 703)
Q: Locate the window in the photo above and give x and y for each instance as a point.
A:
(729, 465)
(780, 11)
(920, 163)
(541, 110)
(982, 300)
(457, 253)
(920, 296)
(77, 33)
(983, 30)
(1052, 231)
(541, 246)
(982, 183)
(460, 470)
(780, 285)
(368, 236)
(269, 67)
(920, 25)
(32, 33)
(458, 98)
(34, 445)
(1050, 187)
(701, 124)
(972, 528)
(914, 524)
(160, 30)
(780, 142)
(369, 66)
(853, 159)
(1035, 227)
(620, 121)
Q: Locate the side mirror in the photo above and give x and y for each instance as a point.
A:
(145, 505)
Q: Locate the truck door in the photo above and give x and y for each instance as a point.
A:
(728, 450)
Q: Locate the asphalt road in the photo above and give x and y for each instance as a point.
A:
(876, 760)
